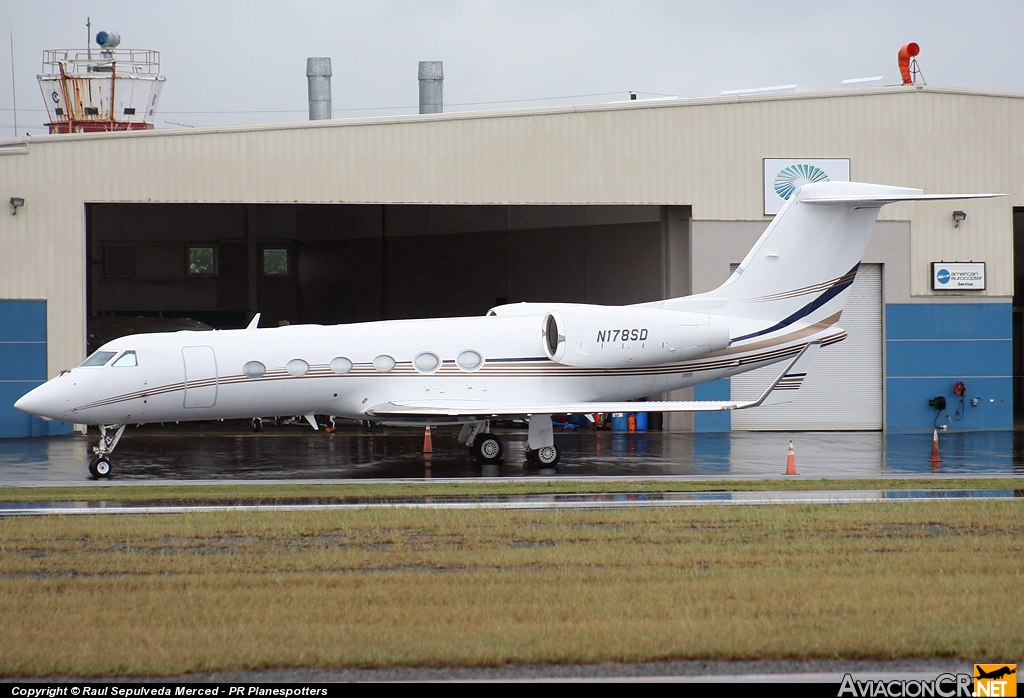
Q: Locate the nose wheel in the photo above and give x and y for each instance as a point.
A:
(99, 468)
(110, 434)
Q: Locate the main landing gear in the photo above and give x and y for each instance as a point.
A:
(541, 450)
(110, 434)
(544, 457)
(481, 443)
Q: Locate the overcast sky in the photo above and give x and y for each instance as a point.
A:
(249, 58)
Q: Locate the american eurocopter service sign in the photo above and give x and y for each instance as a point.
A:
(958, 276)
(783, 176)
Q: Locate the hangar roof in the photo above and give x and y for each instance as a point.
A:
(533, 111)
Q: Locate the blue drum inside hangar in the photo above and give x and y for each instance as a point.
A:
(23, 366)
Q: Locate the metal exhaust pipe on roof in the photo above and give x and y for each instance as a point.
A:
(431, 87)
(318, 80)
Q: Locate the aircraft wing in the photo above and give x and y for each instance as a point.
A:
(783, 389)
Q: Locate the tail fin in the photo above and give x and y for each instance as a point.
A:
(805, 262)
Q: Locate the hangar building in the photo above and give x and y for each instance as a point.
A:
(449, 214)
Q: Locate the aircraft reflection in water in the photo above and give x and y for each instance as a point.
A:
(520, 360)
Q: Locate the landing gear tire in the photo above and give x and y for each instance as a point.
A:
(99, 468)
(545, 457)
(488, 448)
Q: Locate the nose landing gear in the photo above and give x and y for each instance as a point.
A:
(99, 467)
(110, 434)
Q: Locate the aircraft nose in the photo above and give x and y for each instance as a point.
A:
(40, 401)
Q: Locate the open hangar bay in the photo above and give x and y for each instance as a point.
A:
(450, 214)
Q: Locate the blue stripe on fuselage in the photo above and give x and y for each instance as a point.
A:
(807, 309)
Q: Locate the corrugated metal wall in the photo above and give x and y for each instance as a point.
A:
(705, 153)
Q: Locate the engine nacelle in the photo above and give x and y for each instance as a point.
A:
(599, 336)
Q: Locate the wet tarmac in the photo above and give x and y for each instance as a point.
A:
(830, 671)
(545, 502)
(222, 453)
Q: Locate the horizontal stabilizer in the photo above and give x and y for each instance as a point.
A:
(872, 201)
(783, 389)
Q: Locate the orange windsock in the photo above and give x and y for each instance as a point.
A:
(907, 51)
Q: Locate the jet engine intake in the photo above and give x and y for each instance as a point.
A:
(598, 336)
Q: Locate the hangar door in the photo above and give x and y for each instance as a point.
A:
(843, 389)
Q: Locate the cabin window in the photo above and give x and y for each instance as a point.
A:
(383, 363)
(341, 365)
(126, 359)
(427, 362)
(254, 369)
(275, 262)
(98, 358)
(201, 261)
(469, 360)
(297, 367)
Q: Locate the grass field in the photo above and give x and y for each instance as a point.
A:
(152, 595)
(481, 487)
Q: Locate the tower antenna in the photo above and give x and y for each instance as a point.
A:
(88, 36)
(14, 84)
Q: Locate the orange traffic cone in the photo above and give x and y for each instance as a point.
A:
(791, 460)
(428, 445)
(935, 459)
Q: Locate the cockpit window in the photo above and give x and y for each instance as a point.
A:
(98, 358)
(126, 359)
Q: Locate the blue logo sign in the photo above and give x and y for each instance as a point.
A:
(942, 276)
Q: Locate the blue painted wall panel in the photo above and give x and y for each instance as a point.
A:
(948, 321)
(23, 367)
(14, 422)
(956, 357)
(931, 346)
(712, 421)
(22, 321)
(22, 361)
(906, 402)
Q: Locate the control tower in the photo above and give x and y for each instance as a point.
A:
(104, 89)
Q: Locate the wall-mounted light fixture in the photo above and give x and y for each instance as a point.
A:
(958, 216)
(16, 203)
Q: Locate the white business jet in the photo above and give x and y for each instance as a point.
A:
(528, 360)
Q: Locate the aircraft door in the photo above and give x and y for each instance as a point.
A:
(200, 376)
